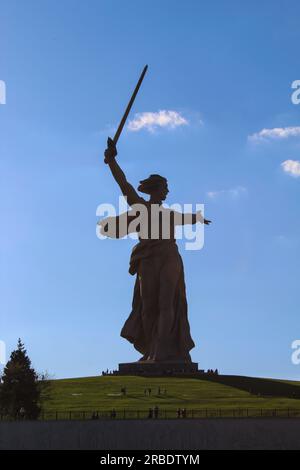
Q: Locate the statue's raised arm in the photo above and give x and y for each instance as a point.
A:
(127, 189)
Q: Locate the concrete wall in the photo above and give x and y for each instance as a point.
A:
(155, 434)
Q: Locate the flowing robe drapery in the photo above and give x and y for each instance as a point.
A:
(149, 259)
(177, 343)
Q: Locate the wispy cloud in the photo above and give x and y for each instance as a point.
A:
(152, 121)
(275, 133)
(292, 167)
(233, 193)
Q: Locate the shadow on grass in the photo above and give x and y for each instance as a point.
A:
(256, 386)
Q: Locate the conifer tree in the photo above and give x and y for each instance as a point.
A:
(20, 390)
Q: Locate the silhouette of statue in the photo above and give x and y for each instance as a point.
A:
(158, 325)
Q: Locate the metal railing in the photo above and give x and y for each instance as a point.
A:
(157, 413)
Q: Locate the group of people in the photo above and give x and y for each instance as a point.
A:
(147, 391)
(168, 372)
(181, 413)
(109, 372)
(160, 391)
(212, 372)
(153, 412)
(95, 414)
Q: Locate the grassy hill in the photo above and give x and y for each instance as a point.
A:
(225, 392)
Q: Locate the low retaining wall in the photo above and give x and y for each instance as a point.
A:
(152, 435)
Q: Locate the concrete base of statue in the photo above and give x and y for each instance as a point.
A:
(158, 368)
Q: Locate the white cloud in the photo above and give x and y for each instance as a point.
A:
(275, 133)
(234, 193)
(151, 121)
(292, 167)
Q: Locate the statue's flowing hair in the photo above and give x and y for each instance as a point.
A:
(153, 182)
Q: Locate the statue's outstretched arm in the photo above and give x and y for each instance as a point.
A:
(127, 189)
(185, 219)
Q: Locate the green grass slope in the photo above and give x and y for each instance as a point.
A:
(225, 392)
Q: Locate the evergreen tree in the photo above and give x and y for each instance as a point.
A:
(20, 389)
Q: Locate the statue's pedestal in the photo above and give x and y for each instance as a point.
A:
(158, 368)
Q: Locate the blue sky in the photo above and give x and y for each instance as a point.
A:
(226, 68)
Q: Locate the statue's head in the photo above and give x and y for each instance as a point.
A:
(156, 186)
